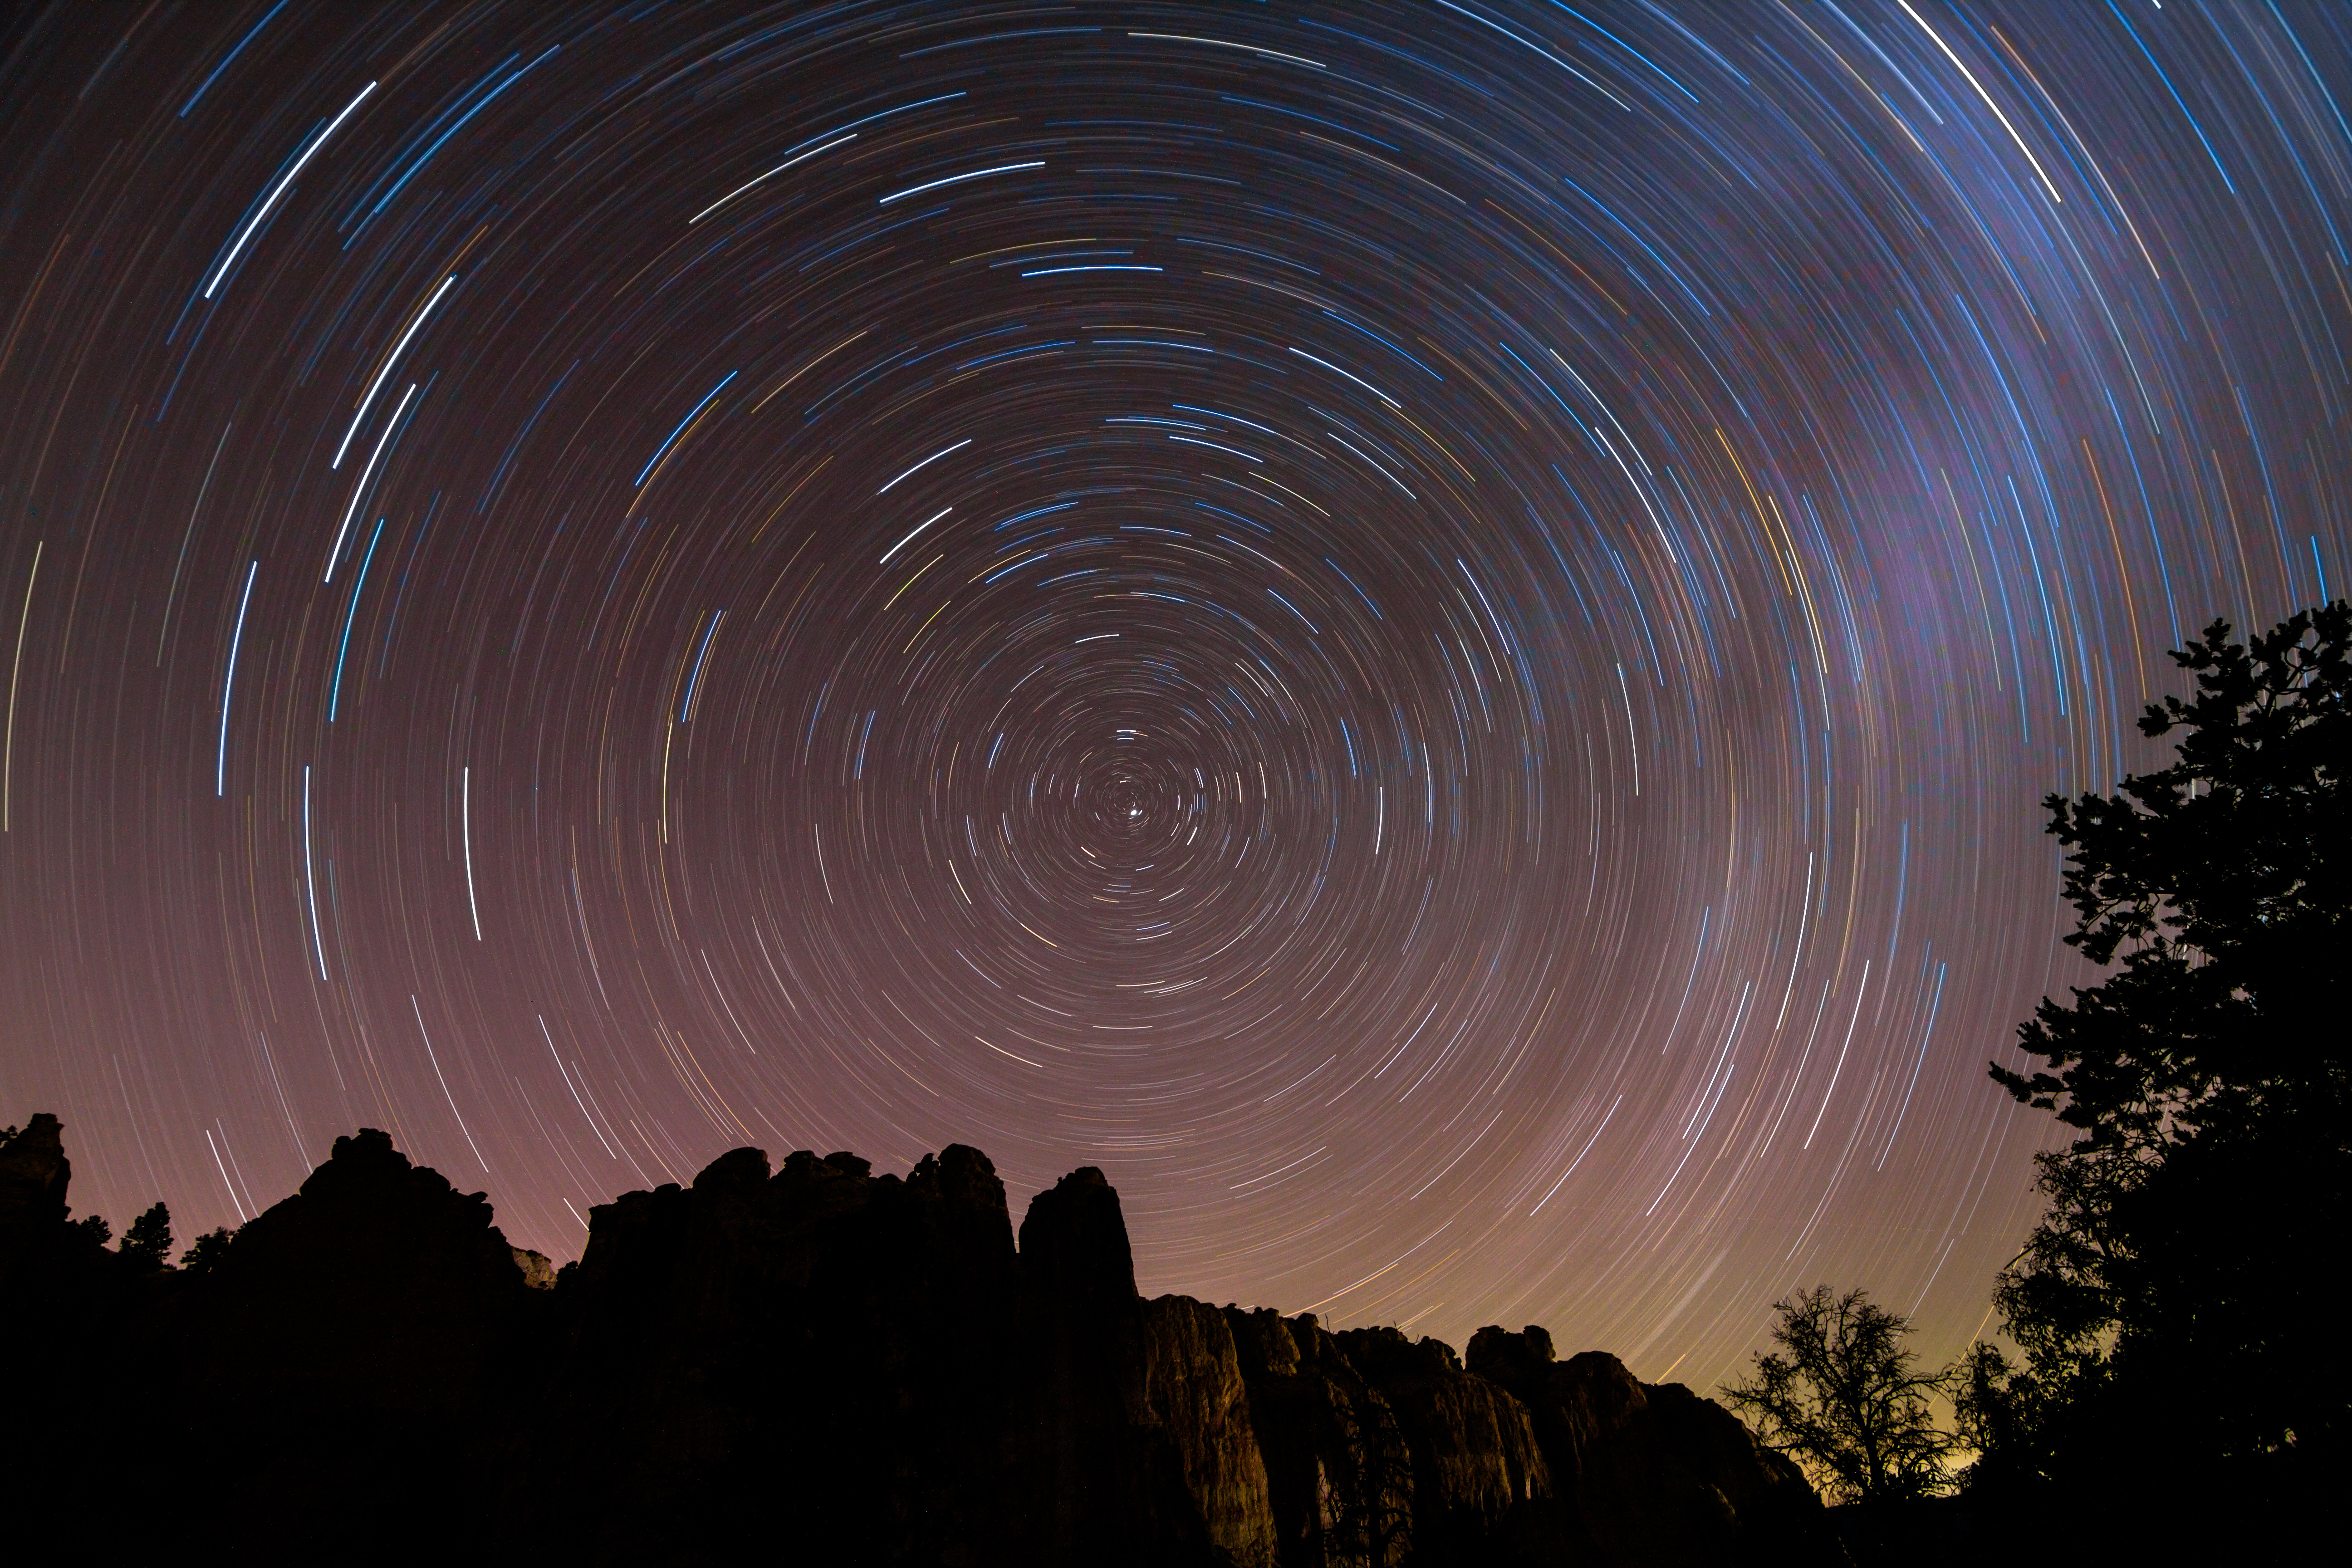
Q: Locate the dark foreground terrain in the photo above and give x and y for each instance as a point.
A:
(814, 1365)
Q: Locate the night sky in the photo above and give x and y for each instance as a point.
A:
(1430, 632)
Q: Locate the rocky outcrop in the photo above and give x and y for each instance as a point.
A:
(1339, 1474)
(1101, 1472)
(868, 1357)
(338, 1360)
(820, 1345)
(62, 1299)
(1483, 1488)
(377, 1293)
(1654, 1473)
(1192, 1382)
(49, 1268)
(847, 1367)
(34, 1172)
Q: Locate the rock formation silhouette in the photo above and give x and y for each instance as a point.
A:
(819, 1364)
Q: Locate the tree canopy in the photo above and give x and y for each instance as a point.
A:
(149, 1239)
(204, 1254)
(2218, 888)
(2176, 1292)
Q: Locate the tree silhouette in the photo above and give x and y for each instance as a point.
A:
(2170, 1288)
(204, 1254)
(1844, 1397)
(149, 1239)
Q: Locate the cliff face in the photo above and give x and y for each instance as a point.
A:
(1340, 1477)
(1653, 1473)
(834, 1366)
(1485, 1489)
(1196, 1392)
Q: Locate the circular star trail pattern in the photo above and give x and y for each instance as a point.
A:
(1430, 632)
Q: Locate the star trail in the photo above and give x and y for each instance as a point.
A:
(1430, 631)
